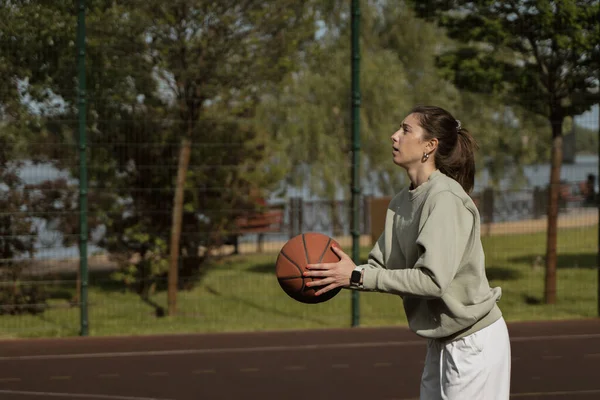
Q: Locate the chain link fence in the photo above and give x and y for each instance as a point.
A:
(236, 204)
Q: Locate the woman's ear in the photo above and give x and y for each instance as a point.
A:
(432, 145)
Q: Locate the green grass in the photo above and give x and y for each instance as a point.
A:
(240, 293)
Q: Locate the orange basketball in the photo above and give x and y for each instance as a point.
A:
(303, 249)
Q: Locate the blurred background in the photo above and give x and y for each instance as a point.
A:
(155, 156)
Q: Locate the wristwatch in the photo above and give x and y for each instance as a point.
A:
(356, 277)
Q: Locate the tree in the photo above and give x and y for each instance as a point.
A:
(172, 92)
(38, 66)
(218, 55)
(25, 208)
(540, 55)
(17, 234)
(28, 69)
(586, 140)
(310, 112)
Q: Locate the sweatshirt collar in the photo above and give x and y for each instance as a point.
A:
(414, 193)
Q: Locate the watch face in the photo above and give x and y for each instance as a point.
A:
(355, 277)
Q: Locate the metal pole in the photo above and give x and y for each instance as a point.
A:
(83, 226)
(355, 150)
(597, 198)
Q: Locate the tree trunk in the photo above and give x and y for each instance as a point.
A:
(553, 196)
(184, 161)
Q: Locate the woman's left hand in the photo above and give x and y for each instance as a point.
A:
(332, 275)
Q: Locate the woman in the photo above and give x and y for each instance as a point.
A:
(430, 254)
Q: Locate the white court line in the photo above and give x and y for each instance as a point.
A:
(536, 394)
(557, 393)
(214, 351)
(592, 355)
(557, 337)
(77, 395)
(261, 349)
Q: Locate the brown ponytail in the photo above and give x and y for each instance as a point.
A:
(455, 154)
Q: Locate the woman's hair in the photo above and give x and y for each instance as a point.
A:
(455, 155)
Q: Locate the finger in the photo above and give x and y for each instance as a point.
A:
(316, 273)
(337, 250)
(325, 289)
(319, 282)
(320, 266)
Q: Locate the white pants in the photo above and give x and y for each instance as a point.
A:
(476, 367)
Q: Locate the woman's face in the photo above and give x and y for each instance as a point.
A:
(408, 145)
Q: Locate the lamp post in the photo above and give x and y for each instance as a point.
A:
(82, 148)
(355, 189)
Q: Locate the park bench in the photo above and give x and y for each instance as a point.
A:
(581, 193)
(269, 220)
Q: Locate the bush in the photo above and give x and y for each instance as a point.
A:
(22, 299)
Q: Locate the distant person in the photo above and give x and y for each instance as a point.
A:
(590, 192)
(431, 255)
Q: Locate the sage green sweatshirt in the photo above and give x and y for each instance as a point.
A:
(430, 254)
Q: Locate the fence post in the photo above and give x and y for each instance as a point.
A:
(487, 208)
(355, 59)
(537, 212)
(83, 188)
(295, 216)
(366, 220)
(488, 205)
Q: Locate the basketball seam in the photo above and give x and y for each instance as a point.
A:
(297, 266)
(287, 278)
(305, 249)
(307, 260)
(325, 250)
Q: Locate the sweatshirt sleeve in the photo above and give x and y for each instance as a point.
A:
(375, 260)
(442, 241)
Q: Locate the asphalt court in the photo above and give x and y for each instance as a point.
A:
(550, 360)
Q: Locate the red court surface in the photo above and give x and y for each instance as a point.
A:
(551, 360)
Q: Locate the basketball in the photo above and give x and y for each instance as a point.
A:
(303, 249)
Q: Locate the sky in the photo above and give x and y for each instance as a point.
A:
(589, 119)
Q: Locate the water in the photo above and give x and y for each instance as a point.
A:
(538, 175)
(510, 206)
